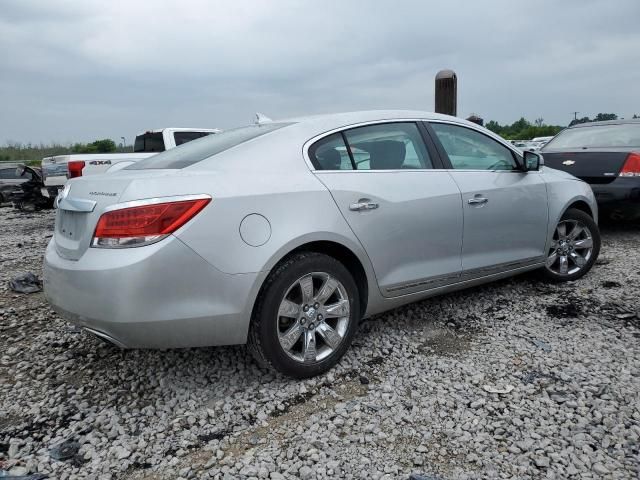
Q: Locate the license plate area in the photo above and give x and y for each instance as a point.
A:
(71, 225)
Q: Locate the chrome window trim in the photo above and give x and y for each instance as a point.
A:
(156, 200)
(482, 130)
(308, 143)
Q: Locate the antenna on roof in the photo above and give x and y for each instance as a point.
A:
(262, 118)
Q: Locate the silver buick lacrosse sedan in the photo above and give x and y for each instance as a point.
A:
(284, 234)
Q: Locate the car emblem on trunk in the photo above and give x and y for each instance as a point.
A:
(568, 162)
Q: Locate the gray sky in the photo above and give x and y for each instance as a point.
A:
(78, 70)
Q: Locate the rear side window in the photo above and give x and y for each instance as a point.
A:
(330, 153)
(468, 149)
(387, 146)
(184, 137)
(198, 150)
(149, 142)
(616, 135)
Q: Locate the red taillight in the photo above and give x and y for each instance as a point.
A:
(631, 167)
(75, 168)
(144, 224)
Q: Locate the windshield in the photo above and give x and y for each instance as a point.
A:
(198, 150)
(613, 135)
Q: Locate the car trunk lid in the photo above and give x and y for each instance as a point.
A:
(81, 203)
(593, 165)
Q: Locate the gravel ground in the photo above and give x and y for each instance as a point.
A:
(409, 397)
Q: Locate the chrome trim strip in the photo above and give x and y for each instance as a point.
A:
(308, 143)
(155, 200)
(484, 131)
(465, 275)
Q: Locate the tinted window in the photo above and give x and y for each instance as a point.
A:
(330, 153)
(471, 150)
(184, 137)
(149, 142)
(617, 135)
(206, 147)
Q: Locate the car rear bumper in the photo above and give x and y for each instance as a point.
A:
(622, 196)
(159, 296)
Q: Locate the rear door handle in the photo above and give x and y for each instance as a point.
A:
(363, 205)
(477, 201)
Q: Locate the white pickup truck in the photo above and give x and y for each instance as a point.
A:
(58, 169)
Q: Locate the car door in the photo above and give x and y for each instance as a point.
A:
(404, 209)
(505, 208)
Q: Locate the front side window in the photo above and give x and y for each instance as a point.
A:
(388, 146)
(471, 150)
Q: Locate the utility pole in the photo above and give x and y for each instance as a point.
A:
(575, 115)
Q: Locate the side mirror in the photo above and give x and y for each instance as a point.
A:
(532, 161)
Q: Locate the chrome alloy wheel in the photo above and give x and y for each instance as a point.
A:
(313, 317)
(571, 248)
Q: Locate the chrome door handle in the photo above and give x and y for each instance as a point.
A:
(477, 201)
(358, 207)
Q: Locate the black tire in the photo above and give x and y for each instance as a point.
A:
(586, 220)
(263, 341)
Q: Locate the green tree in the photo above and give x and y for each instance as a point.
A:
(601, 117)
(580, 120)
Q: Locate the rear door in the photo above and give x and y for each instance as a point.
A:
(403, 207)
(505, 209)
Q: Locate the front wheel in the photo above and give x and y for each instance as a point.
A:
(574, 248)
(306, 315)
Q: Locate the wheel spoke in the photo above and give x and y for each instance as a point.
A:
(551, 259)
(337, 310)
(575, 232)
(327, 289)
(330, 336)
(309, 349)
(584, 243)
(291, 336)
(562, 230)
(289, 309)
(564, 265)
(306, 285)
(578, 259)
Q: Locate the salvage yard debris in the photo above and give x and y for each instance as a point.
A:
(25, 283)
(423, 412)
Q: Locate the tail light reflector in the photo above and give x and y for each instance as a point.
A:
(75, 168)
(143, 223)
(631, 167)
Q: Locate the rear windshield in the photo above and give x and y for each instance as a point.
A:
(198, 150)
(616, 135)
(149, 142)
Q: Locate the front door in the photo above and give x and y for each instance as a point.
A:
(406, 214)
(505, 209)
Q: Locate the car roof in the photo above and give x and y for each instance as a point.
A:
(606, 122)
(346, 118)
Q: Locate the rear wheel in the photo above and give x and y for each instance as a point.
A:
(574, 248)
(306, 315)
